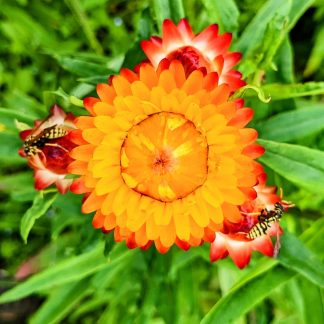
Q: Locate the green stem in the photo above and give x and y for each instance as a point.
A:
(81, 16)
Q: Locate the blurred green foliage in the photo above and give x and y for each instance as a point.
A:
(55, 52)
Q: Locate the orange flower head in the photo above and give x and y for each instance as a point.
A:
(47, 147)
(164, 157)
(206, 51)
(233, 238)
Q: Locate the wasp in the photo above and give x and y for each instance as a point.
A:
(265, 220)
(34, 143)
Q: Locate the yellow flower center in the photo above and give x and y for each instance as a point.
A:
(164, 157)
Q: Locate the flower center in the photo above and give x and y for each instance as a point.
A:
(190, 58)
(164, 157)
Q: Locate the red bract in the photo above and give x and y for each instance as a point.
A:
(206, 51)
(51, 159)
(233, 241)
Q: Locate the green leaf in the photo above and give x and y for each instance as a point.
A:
(162, 11)
(134, 56)
(81, 17)
(253, 34)
(94, 79)
(300, 165)
(82, 68)
(293, 125)
(225, 13)
(70, 270)
(61, 302)
(246, 295)
(39, 207)
(297, 9)
(23, 116)
(286, 91)
(295, 256)
(312, 302)
(317, 55)
(177, 10)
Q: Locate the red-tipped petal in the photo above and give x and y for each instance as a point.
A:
(231, 59)
(240, 252)
(156, 40)
(211, 81)
(153, 51)
(202, 40)
(162, 249)
(78, 186)
(106, 92)
(242, 117)
(129, 75)
(171, 35)
(182, 245)
(163, 65)
(239, 103)
(98, 220)
(89, 102)
(221, 44)
(44, 178)
(185, 29)
(219, 64)
(235, 82)
(218, 248)
(63, 185)
(250, 193)
(75, 136)
(264, 245)
(130, 242)
(254, 151)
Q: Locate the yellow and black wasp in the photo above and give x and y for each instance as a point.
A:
(34, 143)
(265, 220)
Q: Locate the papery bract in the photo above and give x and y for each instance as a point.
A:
(52, 159)
(207, 51)
(164, 156)
(232, 238)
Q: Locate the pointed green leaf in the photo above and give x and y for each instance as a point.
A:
(293, 125)
(313, 307)
(177, 10)
(39, 207)
(83, 68)
(253, 34)
(299, 164)
(70, 270)
(224, 13)
(296, 256)
(61, 302)
(162, 11)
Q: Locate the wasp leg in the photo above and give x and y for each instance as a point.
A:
(57, 145)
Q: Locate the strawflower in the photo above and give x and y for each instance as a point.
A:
(207, 51)
(164, 157)
(49, 157)
(232, 239)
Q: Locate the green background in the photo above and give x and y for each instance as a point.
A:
(55, 52)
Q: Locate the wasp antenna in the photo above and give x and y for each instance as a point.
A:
(249, 214)
(288, 204)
